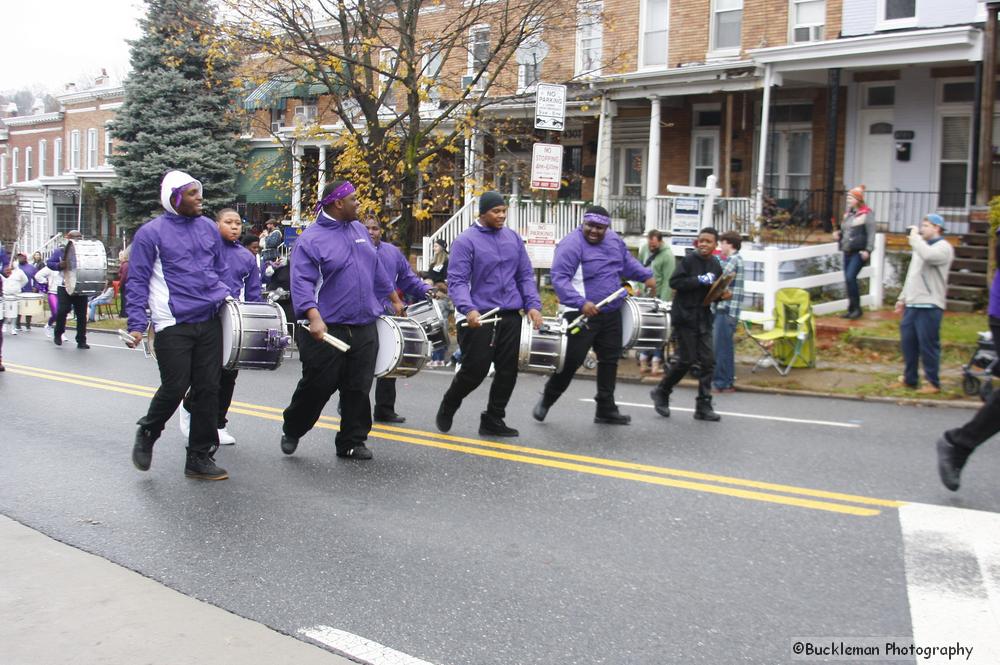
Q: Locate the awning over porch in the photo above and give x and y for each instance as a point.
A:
(258, 183)
(274, 93)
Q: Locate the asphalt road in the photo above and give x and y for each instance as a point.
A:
(670, 540)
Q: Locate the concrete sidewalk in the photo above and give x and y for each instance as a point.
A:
(61, 605)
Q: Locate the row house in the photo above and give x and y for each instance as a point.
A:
(56, 164)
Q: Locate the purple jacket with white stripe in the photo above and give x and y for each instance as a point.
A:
(400, 272)
(490, 268)
(176, 269)
(242, 275)
(582, 272)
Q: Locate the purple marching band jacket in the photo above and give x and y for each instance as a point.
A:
(176, 267)
(242, 276)
(493, 279)
(584, 272)
(398, 268)
(334, 268)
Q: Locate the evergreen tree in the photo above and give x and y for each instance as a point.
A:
(179, 111)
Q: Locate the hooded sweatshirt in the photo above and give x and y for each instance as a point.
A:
(176, 267)
(490, 268)
(335, 270)
(584, 272)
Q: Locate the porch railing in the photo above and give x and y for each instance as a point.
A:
(894, 210)
(628, 214)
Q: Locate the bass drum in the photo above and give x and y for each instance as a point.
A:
(645, 323)
(430, 315)
(254, 335)
(86, 270)
(544, 349)
(403, 347)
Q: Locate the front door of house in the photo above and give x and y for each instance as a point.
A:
(877, 151)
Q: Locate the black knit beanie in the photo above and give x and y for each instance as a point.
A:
(490, 200)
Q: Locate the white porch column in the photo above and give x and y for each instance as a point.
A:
(296, 183)
(765, 112)
(321, 180)
(602, 169)
(653, 164)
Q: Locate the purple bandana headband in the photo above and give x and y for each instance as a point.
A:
(596, 218)
(341, 192)
(178, 192)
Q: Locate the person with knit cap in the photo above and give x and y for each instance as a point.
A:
(857, 239)
(922, 303)
(177, 272)
(489, 269)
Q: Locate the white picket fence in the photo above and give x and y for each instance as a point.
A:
(771, 260)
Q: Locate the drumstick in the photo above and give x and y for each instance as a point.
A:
(574, 327)
(335, 342)
(484, 317)
(126, 337)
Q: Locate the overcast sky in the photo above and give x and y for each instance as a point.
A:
(48, 43)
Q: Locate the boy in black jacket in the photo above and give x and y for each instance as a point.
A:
(692, 322)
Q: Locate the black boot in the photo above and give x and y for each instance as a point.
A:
(142, 450)
(494, 426)
(387, 416)
(703, 411)
(540, 411)
(611, 416)
(951, 459)
(200, 465)
(444, 418)
(661, 402)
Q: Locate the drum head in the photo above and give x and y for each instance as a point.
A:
(390, 345)
(230, 317)
(631, 322)
(69, 274)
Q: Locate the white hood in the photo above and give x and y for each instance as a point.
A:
(171, 182)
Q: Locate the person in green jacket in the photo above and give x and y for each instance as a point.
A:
(656, 255)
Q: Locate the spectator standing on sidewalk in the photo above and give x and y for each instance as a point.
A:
(272, 240)
(727, 313)
(922, 302)
(657, 256)
(857, 239)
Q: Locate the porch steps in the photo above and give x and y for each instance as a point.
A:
(967, 288)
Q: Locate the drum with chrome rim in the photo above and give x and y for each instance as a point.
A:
(86, 270)
(254, 335)
(10, 307)
(544, 349)
(645, 323)
(431, 317)
(30, 304)
(403, 347)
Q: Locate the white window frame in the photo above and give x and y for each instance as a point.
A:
(3, 170)
(57, 156)
(471, 68)
(532, 42)
(431, 65)
(43, 147)
(305, 114)
(15, 157)
(589, 26)
(92, 148)
(793, 23)
(619, 154)
(698, 131)
(108, 146)
(644, 29)
(74, 150)
(725, 51)
(951, 109)
(877, 84)
(881, 23)
(28, 154)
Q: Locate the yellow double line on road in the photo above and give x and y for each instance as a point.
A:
(789, 495)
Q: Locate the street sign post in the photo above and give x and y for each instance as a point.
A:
(550, 106)
(546, 166)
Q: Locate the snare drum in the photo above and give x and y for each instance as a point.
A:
(645, 323)
(30, 304)
(86, 267)
(543, 349)
(403, 347)
(430, 315)
(10, 307)
(254, 335)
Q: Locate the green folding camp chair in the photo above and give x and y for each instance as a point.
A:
(791, 343)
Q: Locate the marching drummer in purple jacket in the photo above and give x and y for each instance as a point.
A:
(403, 277)
(242, 278)
(176, 270)
(77, 303)
(589, 265)
(489, 268)
(338, 285)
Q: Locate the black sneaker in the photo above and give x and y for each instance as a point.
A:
(359, 452)
(493, 426)
(142, 451)
(661, 402)
(540, 410)
(612, 418)
(57, 339)
(288, 444)
(83, 346)
(951, 459)
(444, 419)
(388, 417)
(203, 467)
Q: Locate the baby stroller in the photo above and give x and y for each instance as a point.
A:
(978, 373)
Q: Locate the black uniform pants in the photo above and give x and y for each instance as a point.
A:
(77, 303)
(385, 397)
(983, 425)
(495, 343)
(227, 386)
(604, 334)
(694, 345)
(325, 370)
(189, 356)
